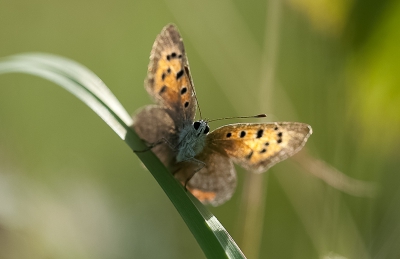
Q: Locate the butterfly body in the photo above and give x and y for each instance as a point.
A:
(192, 139)
(188, 143)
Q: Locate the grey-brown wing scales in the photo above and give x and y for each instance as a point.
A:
(214, 183)
(153, 124)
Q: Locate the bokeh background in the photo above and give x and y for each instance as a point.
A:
(70, 188)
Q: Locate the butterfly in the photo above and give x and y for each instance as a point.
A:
(203, 160)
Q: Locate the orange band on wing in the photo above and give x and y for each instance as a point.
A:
(203, 196)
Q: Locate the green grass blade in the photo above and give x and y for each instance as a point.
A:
(212, 237)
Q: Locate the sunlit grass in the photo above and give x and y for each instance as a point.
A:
(85, 85)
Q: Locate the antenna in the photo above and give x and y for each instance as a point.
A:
(241, 117)
(198, 106)
(192, 85)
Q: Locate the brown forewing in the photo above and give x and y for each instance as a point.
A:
(168, 79)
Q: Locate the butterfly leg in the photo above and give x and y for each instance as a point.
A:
(153, 145)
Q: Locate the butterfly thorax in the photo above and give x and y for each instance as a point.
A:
(192, 140)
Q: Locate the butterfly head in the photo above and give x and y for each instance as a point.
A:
(201, 127)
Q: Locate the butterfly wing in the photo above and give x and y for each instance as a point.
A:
(257, 147)
(152, 123)
(168, 79)
(214, 183)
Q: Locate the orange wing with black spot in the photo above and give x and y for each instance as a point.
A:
(168, 78)
(257, 147)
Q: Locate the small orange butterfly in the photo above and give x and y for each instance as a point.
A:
(200, 159)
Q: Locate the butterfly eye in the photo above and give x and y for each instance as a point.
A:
(196, 125)
(206, 130)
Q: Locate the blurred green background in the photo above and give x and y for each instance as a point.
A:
(70, 188)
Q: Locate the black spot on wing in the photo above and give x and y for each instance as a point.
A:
(280, 137)
(173, 55)
(250, 155)
(260, 133)
(242, 134)
(183, 90)
(186, 104)
(163, 76)
(163, 89)
(263, 151)
(228, 135)
(179, 74)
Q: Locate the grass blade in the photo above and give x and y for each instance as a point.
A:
(212, 237)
